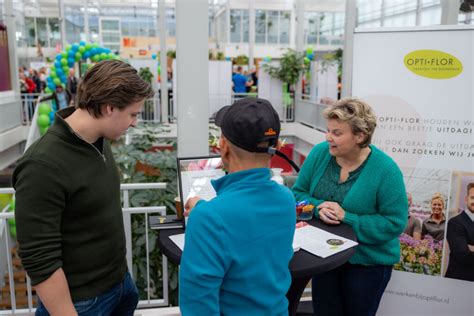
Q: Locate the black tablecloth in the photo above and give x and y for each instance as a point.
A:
(302, 264)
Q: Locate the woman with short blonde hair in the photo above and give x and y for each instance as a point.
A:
(349, 180)
(435, 224)
(357, 114)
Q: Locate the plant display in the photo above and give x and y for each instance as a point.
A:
(420, 256)
(171, 53)
(220, 56)
(241, 60)
(159, 155)
(291, 67)
(147, 76)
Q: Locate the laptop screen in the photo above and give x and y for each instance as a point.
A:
(195, 175)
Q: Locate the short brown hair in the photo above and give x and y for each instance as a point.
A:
(357, 114)
(111, 82)
(470, 186)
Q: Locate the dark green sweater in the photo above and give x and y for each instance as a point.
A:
(376, 205)
(68, 212)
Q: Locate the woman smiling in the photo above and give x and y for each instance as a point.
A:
(351, 181)
(434, 225)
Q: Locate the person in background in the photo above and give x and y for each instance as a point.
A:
(36, 79)
(353, 182)
(413, 227)
(240, 81)
(71, 86)
(254, 78)
(239, 244)
(435, 224)
(61, 97)
(27, 87)
(68, 209)
(460, 236)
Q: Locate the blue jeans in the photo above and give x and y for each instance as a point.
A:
(121, 300)
(351, 289)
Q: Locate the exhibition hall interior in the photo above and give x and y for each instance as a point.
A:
(172, 93)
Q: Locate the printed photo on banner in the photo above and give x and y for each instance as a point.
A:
(421, 244)
(459, 246)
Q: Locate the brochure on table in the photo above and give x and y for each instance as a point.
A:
(309, 238)
(319, 242)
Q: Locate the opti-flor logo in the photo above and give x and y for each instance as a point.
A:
(433, 64)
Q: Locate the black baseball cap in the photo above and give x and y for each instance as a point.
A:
(248, 122)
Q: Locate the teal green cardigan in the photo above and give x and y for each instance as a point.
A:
(376, 206)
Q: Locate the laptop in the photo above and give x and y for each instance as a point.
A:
(195, 175)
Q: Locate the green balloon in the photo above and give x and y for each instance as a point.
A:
(88, 46)
(309, 50)
(52, 69)
(48, 90)
(64, 61)
(57, 81)
(68, 48)
(82, 49)
(43, 121)
(13, 232)
(78, 56)
(95, 58)
(95, 45)
(110, 55)
(64, 55)
(103, 56)
(66, 70)
(53, 74)
(12, 204)
(44, 108)
(43, 130)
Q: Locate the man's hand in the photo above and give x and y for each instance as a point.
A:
(190, 204)
(471, 248)
(55, 296)
(331, 213)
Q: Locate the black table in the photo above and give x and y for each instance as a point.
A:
(303, 265)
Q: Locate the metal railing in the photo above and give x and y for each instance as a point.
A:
(28, 106)
(151, 110)
(127, 211)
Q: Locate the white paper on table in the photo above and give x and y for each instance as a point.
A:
(314, 240)
(296, 246)
(198, 183)
(178, 240)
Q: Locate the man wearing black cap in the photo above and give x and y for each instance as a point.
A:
(239, 244)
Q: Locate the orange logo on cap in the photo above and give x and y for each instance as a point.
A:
(270, 132)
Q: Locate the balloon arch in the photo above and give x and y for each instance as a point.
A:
(59, 71)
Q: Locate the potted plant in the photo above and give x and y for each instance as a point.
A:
(292, 66)
(241, 60)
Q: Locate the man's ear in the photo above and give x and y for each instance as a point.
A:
(223, 146)
(108, 109)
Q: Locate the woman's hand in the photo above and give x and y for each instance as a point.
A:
(331, 213)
